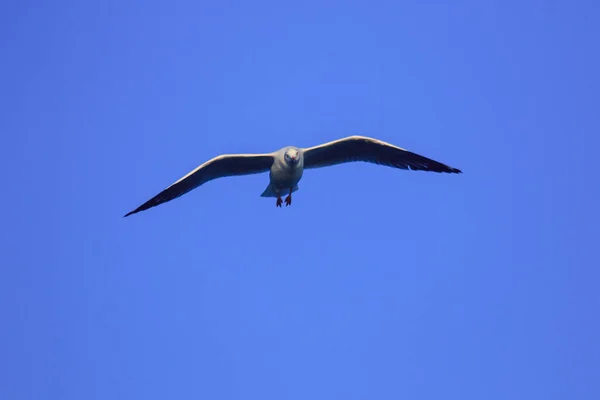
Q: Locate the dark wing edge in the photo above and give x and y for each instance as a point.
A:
(218, 167)
(365, 149)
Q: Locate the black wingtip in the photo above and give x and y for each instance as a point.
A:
(445, 169)
(143, 207)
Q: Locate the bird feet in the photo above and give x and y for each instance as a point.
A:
(288, 200)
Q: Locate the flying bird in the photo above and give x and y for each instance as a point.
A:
(287, 164)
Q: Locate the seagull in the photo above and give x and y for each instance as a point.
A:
(287, 164)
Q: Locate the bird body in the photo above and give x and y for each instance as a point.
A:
(286, 166)
(284, 175)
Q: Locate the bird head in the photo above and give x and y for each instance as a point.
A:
(292, 156)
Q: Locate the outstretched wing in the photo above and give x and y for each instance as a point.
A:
(218, 167)
(361, 148)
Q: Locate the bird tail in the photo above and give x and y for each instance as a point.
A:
(270, 192)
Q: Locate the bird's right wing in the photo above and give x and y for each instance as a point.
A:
(218, 167)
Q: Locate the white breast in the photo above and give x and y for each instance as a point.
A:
(282, 175)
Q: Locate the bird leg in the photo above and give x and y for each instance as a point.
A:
(288, 199)
(279, 201)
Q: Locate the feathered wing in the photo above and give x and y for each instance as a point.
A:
(218, 167)
(361, 148)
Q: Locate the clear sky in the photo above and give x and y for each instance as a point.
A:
(376, 283)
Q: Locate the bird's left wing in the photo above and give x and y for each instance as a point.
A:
(362, 148)
(218, 167)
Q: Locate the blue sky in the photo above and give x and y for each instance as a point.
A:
(376, 283)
